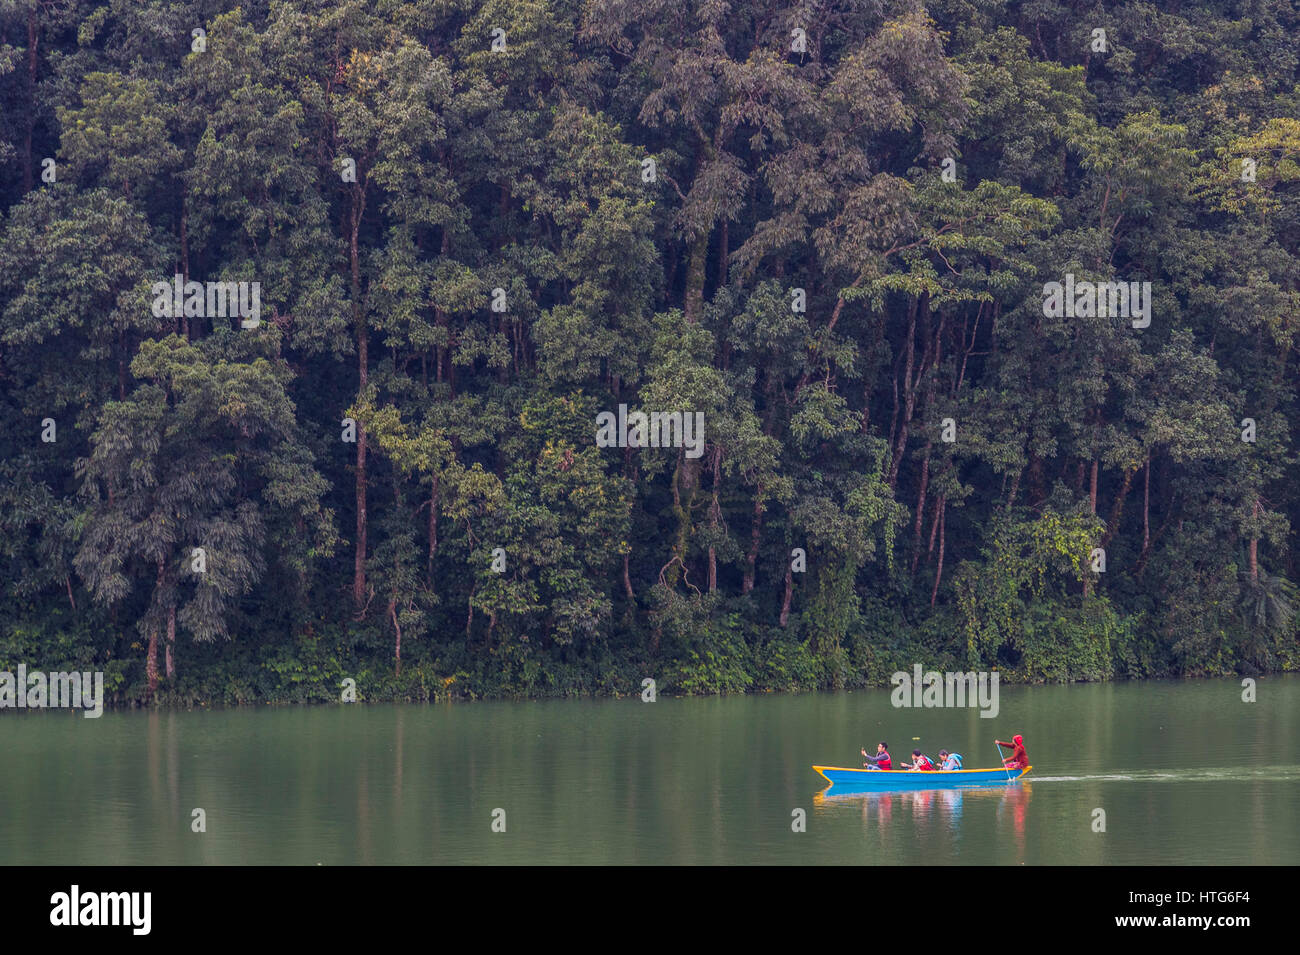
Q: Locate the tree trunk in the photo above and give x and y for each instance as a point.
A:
(683, 476)
(722, 254)
(1036, 478)
(924, 483)
(943, 523)
(629, 471)
(397, 627)
(697, 265)
(171, 641)
(1254, 547)
(920, 507)
(715, 513)
(893, 418)
(789, 594)
(433, 528)
(359, 559)
(695, 275)
(1112, 522)
(909, 394)
(151, 662)
(756, 533)
(934, 525)
(670, 269)
(363, 360)
(1146, 510)
(392, 600)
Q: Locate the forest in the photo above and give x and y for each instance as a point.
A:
(526, 348)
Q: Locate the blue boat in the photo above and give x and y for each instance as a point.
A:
(894, 780)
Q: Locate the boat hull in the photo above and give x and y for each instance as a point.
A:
(892, 780)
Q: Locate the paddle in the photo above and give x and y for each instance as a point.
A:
(1004, 762)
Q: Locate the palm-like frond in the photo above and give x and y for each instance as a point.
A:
(1268, 601)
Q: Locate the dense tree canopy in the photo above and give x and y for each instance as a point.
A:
(444, 236)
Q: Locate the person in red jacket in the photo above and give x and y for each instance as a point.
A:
(880, 760)
(919, 762)
(1019, 759)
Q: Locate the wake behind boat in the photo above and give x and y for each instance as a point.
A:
(890, 780)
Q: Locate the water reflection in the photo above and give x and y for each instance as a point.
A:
(929, 807)
(950, 799)
(1014, 803)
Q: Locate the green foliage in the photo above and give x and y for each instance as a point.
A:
(1027, 564)
(836, 255)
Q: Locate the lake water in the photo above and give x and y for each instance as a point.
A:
(1185, 773)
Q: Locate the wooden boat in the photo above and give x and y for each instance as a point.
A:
(890, 780)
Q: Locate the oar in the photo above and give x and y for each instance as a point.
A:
(1004, 762)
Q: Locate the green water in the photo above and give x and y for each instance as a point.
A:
(1185, 772)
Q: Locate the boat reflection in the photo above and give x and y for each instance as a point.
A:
(927, 806)
(1014, 802)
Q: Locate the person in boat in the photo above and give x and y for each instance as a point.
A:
(949, 761)
(920, 762)
(881, 760)
(1019, 759)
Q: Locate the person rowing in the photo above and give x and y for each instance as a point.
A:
(920, 763)
(881, 760)
(949, 761)
(1018, 759)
